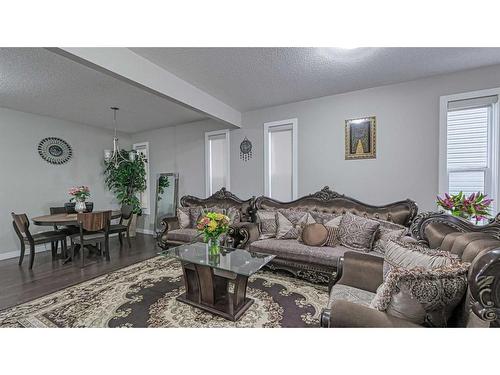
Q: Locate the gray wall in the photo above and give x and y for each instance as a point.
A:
(407, 140)
(31, 185)
(178, 149)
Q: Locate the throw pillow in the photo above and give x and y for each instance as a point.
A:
(291, 222)
(324, 217)
(314, 235)
(387, 231)
(332, 238)
(183, 217)
(234, 215)
(426, 297)
(194, 215)
(411, 255)
(267, 224)
(356, 232)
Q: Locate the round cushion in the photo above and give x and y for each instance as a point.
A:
(314, 235)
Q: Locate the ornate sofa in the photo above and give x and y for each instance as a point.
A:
(479, 245)
(316, 264)
(172, 235)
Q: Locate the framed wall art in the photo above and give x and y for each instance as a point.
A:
(360, 138)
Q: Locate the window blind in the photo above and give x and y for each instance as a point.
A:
(467, 149)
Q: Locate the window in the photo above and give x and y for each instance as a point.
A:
(143, 149)
(470, 143)
(280, 155)
(216, 161)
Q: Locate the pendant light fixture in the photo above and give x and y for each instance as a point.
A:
(116, 156)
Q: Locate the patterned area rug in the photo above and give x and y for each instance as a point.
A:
(143, 295)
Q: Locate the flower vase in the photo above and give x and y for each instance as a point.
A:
(214, 245)
(80, 206)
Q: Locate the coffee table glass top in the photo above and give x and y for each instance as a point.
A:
(239, 261)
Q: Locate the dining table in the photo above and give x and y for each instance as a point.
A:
(64, 219)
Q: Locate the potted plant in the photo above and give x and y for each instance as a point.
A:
(126, 180)
(474, 207)
(79, 195)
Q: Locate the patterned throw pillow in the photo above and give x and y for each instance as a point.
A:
(387, 231)
(234, 215)
(183, 217)
(267, 224)
(426, 297)
(356, 232)
(324, 217)
(194, 215)
(291, 222)
(332, 238)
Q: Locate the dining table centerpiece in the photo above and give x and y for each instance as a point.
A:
(475, 207)
(213, 225)
(79, 194)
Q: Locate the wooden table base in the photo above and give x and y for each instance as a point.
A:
(218, 292)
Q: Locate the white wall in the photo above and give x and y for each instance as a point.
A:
(31, 185)
(178, 149)
(407, 140)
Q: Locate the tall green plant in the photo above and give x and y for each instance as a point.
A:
(127, 180)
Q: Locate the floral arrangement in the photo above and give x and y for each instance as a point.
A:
(475, 206)
(213, 225)
(79, 193)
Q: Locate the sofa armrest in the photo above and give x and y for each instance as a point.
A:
(345, 314)
(243, 234)
(169, 223)
(361, 270)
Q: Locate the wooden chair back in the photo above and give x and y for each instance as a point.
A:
(94, 221)
(21, 225)
(57, 210)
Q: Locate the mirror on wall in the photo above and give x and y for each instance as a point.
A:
(166, 197)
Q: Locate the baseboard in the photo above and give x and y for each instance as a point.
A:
(145, 231)
(17, 253)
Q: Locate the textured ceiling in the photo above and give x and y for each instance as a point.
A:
(38, 81)
(251, 78)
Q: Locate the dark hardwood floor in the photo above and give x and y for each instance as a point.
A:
(18, 284)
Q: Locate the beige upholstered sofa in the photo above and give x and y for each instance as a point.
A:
(360, 275)
(316, 264)
(173, 235)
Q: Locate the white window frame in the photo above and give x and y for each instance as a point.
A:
(491, 177)
(146, 207)
(208, 164)
(268, 128)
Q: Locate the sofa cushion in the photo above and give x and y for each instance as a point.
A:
(266, 219)
(332, 238)
(314, 235)
(351, 294)
(291, 222)
(183, 217)
(356, 232)
(426, 297)
(183, 235)
(387, 231)
(194, 215)
(294, 250)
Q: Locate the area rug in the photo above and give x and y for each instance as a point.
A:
(143, 295)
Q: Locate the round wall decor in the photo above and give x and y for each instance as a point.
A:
(246, 150)
(55, 150)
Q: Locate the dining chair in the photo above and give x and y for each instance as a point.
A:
(69, 230)
(21, 227)
(122, 228)
(93, 230)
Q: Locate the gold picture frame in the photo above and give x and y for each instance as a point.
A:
(360, 138)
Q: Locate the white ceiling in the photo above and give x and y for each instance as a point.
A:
(39, 81)
(251, 78)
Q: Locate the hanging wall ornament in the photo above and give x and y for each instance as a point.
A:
(245, 150)
(55, 150)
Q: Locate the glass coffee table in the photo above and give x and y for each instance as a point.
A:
(217, 283)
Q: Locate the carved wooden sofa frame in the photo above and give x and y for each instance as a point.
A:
(326, 200)
(479, 245)
(221, 198)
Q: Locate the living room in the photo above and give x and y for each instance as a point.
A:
(154, 182)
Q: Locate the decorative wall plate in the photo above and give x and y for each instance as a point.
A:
(55, 150)
(245, 150)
